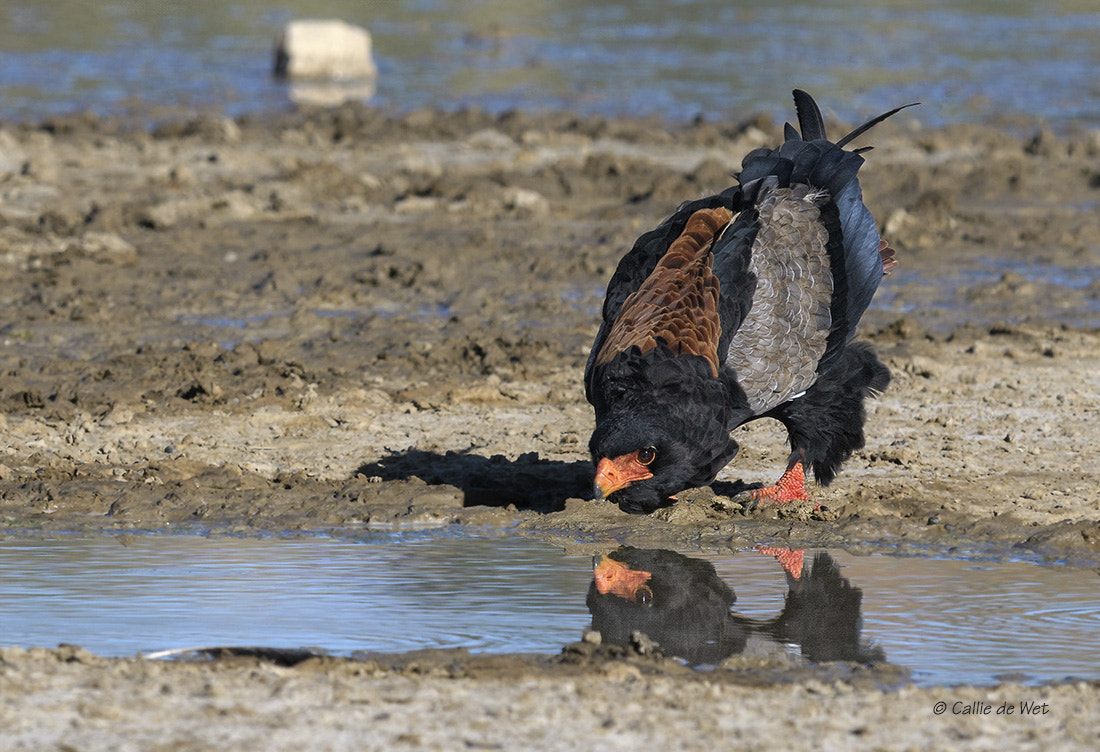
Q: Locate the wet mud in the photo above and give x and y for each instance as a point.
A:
(334, 320)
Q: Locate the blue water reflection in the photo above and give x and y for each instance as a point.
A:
(947, 621)
(973, 61)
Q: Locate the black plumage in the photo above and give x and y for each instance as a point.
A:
(742, 305)
(682, 604)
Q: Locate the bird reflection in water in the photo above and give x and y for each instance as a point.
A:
(684, 606)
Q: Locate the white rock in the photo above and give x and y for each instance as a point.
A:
(895, 222)
(324, 49)
(12, 156)
(238, 205)
(319, 93)
(523, 199)
(490, 139)
(109, 248)
(416, 205)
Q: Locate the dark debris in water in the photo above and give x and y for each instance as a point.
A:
(287, 657)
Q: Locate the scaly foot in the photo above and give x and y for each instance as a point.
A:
(791, 486)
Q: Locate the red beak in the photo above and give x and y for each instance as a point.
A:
(616, 474)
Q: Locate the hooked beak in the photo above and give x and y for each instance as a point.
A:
(616, 474)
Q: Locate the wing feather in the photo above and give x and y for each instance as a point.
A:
(776, 350)
(678, 303)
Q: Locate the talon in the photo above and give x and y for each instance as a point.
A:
(791, 486)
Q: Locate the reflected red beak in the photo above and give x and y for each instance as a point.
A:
(618, 579)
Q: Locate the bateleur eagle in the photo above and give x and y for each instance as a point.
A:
(742, 305)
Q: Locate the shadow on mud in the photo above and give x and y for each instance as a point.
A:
(528, 482)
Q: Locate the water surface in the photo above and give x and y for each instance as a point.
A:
(949, 621)
(973, 61)
(413, 591)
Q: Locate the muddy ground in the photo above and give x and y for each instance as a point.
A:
(324, 321)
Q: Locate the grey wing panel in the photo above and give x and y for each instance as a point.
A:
(776, 350)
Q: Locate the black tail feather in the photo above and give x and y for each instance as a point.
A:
(809, 116)
(813, 125)
(872, 123)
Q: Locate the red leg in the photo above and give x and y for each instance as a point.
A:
(791, 486)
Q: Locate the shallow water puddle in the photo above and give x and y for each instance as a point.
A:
(161, 592)
(947, 620)
(1066, 293)
(954, 621)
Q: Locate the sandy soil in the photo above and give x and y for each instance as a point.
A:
(333, 320)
